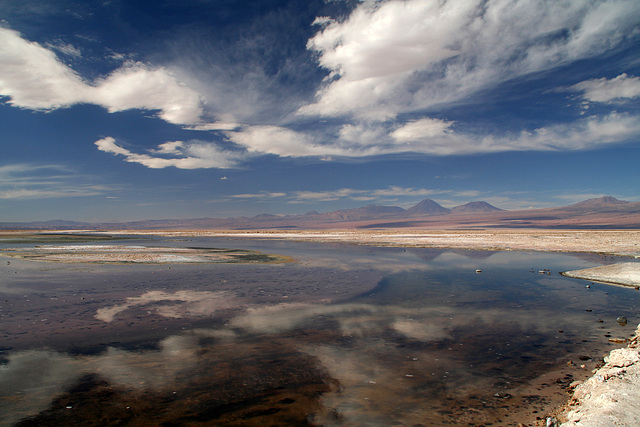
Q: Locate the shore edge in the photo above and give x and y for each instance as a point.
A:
(611, 397)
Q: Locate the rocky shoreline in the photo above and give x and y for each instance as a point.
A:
(611, 397)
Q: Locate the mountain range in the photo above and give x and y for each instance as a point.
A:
(603, 212)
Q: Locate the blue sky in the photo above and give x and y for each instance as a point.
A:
(124, 110)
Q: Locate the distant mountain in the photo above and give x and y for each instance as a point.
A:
(427, 207)
(605, 201)
(265, 216)
(603, 212)
(472, 207)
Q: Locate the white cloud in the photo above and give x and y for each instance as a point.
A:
(34, 78)
(588, 133)
(435, 137)
(134, 86)
(172, 147)
(420, 129)
(401, 56)
(193, 155)
(618, 89)
(279, 141)
(362, 133)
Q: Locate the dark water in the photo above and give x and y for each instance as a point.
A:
(347, 336)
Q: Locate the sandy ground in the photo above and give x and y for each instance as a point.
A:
(613, 242)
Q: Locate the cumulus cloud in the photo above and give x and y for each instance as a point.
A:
(186, 155)
(401, 56)
(34, 78)
(618, 89)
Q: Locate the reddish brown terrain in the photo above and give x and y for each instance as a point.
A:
(601, 213)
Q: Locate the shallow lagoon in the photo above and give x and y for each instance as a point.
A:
(348, 335)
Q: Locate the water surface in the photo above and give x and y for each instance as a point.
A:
(348, 335)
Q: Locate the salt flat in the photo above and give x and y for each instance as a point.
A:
(613, 242)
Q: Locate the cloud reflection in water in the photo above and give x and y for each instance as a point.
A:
(388, 355)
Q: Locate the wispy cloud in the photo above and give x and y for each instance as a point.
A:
(36, 181)
(437, 137)
(182, 155)
(263, 195)
(66, 49)
(391, 192)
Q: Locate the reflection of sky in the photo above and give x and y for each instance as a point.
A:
(182, 304)
(388, 348)
(373, 374)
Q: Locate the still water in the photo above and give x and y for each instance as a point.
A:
(346, 336)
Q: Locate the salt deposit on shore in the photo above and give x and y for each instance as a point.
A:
(611, 397)
(625, 274)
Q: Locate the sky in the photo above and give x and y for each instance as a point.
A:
(118, 110)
